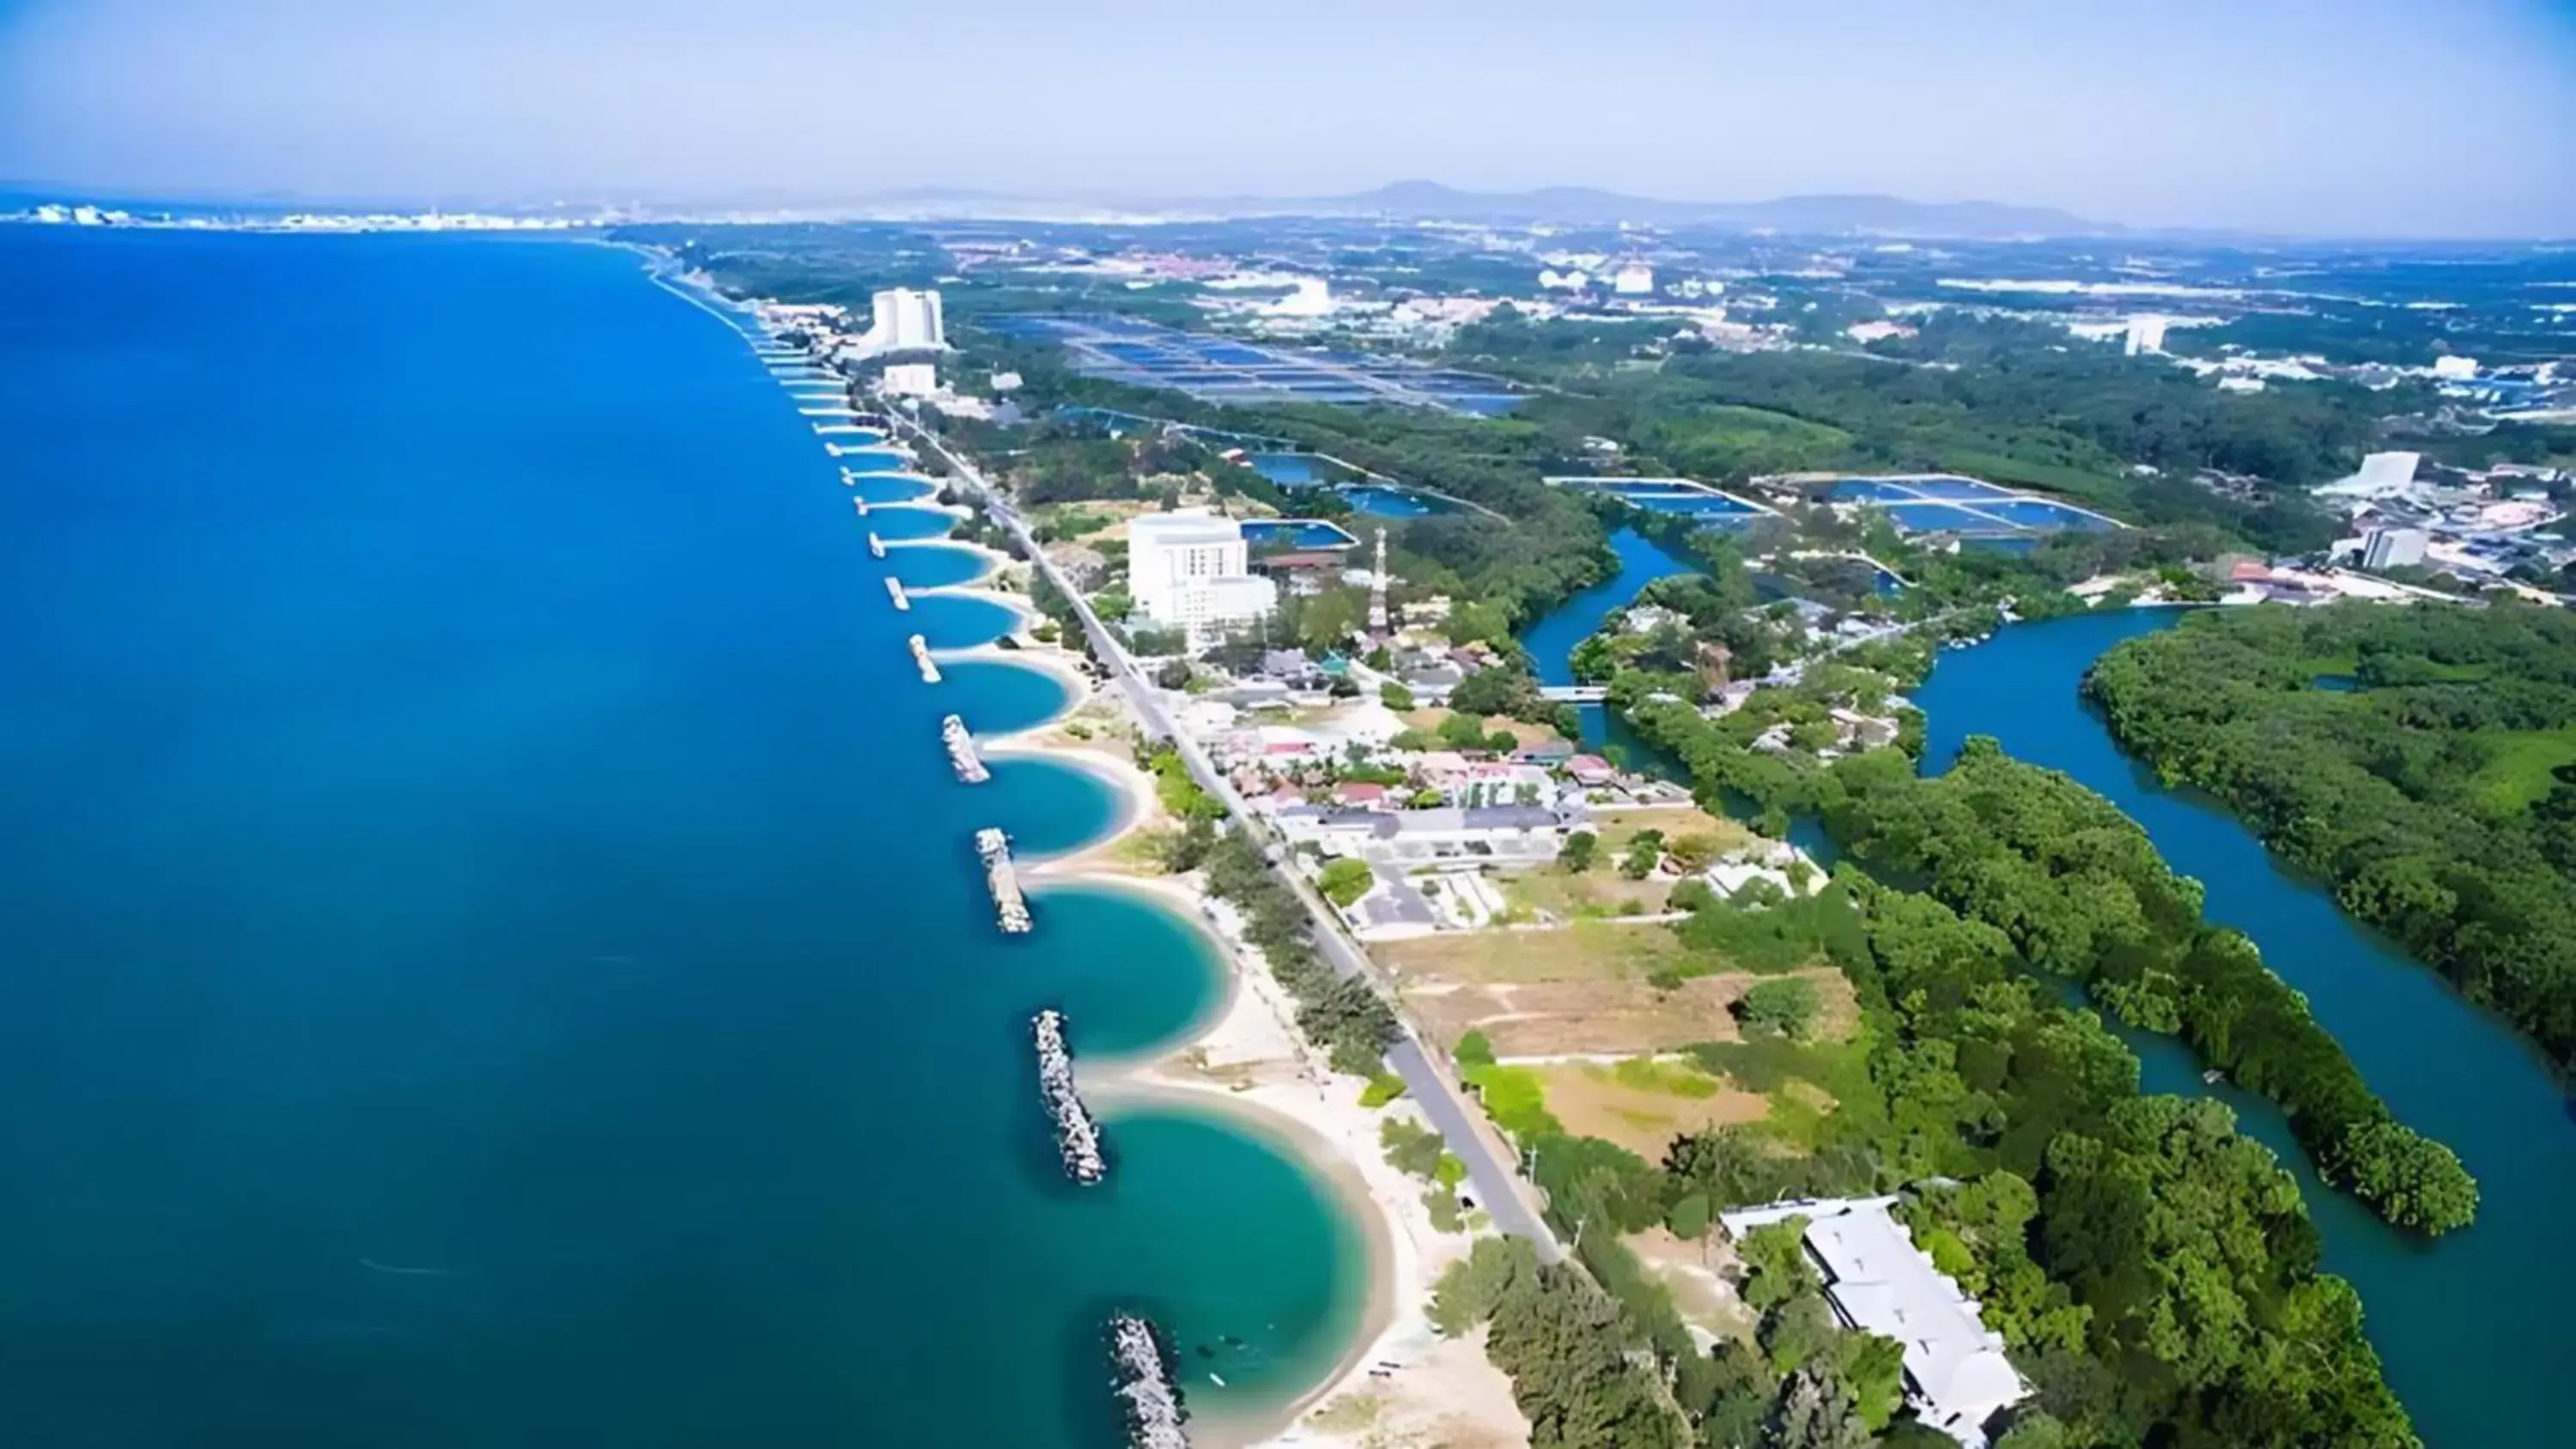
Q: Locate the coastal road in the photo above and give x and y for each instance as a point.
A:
(1497, 1187)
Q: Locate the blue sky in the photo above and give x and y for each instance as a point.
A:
(2444, 117)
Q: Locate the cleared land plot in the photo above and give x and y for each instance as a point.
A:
(1595, 893)
(1583, 951)
(1618, 827)
(1591, 1018)
(1693, 1272)
(1594, 1099)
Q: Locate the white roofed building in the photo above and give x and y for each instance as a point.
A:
(1956, 1376)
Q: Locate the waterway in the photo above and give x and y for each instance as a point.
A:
(2474, 1329)
(1551, 640)
(2471, 1330)
(495, 952)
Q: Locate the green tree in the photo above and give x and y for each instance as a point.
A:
(1776, 1266)
(1345, 880)
(1474, 1050)
(1577, 853)
(1395, 697)
(1470, 1288)
(1643, 854)
(1782, 1006)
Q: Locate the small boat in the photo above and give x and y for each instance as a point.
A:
(1217, 1379)
(2212, 1077)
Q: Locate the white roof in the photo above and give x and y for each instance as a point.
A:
(1878, 1281)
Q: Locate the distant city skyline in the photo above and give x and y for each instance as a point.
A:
(2302, 117)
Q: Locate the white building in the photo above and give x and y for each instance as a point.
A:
(2381, 475)
(2388, 548)
(1567, 281)
(1956, 1375)
(2455, 369)
(1633, 280)
(910, 379)
(1191, 570)
(2145, 334)
(901, 320)
(1313, 297)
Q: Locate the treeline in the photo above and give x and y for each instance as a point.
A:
(2423, 760)
(2081, 892)
(2151, 1270)
(1344, 1015)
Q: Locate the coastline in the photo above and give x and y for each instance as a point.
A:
(1242, 1063)
(1245, 1062)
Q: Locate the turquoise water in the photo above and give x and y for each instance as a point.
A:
(930, 566)
(496, 953)
(2473, 1330)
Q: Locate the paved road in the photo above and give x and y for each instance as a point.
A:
(1489, 1172)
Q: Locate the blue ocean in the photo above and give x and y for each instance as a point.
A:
(492, 953)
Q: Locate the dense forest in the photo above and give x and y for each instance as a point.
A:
(2152, 1270)
(2422, 760)
(2079, 891)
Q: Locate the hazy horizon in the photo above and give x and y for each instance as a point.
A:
(2298, 117)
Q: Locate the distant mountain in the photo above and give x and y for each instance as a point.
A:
(1583, 205)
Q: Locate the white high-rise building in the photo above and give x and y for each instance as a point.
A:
(1636, 279)
(1191, 570)
(2389, 548)
(2455, 368)
(2146, 333)
(901, 320)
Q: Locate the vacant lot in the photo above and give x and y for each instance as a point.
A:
(1597, 1017)
(1593, 894)
(1617, 827)
(1635, 1110)
(1583, 951)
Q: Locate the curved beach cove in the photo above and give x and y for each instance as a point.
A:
(498, 956)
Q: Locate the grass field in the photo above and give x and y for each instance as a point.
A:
(2517, 771)
(1593, 895)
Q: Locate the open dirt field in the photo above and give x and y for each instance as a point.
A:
(1592, 1102)
(1583, 951)
(1600, 1016)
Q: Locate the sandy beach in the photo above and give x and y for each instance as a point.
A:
(1397, 1383)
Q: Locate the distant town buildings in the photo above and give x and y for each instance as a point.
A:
(2387, 548)
(1312, 297)
(911, 379)
(1190, 570)
(1636, 279)
(2146, 334)
(2455, 369)
(2381, 474)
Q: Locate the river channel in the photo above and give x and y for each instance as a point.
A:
(2471, 1329)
